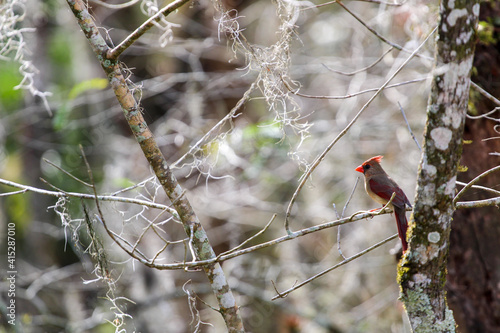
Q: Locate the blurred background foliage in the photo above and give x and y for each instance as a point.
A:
(236, 182)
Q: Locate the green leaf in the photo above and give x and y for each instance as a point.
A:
(123, 182)
(10, 99)
(62, 116)
(80, 88)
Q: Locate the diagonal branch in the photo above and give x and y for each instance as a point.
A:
(296, 91)
(373, 31)
(474, 181)
(137, 33)
(342, 263)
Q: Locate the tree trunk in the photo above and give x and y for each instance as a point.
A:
(422, 273)
(474, 278)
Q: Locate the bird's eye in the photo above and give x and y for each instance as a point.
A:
(368, 166)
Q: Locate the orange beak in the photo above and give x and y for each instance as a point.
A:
(359, 169)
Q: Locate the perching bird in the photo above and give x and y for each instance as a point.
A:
(380, 188)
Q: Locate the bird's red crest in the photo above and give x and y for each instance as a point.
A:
(375, 158)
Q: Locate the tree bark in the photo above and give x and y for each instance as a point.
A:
(422, 273)
(473, 275)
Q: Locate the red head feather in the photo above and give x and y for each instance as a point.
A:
(377, 159)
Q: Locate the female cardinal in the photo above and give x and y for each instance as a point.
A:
(380, 188)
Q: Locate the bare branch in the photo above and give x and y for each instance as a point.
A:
(361, 215)
(67, 173)
(387, 3)
(343, 262)
(343, 212)
(478, 187)
(485, 93)
(13, 193)
(409, 127)
(116, 6)
(373, 31)
(134, 36)
(212, 132)
(485, 115)
(479, 203)
(263, 230)
(111, 198)
(362, 69)
(475, 180)
(296, 91)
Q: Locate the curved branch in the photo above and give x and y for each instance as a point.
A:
(296, 92)
(474, 181)
(479, 203)
(116, 6)
(361, 69)
(485, 93)
(114, 53)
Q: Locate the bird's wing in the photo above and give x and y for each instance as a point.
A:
(385, 192)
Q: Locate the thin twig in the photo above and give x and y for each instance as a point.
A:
(211, 132)
(485, 115)
(492, 138)
(479, 187)
(371, 1)
(320, 158)
(362, 69)
(296, 92)
(66, 172)
(263, 230)
(485, 93)
(53, 186)
(343, 262)
(350, 197)
(479, 203)
(100, 214)
(13, 193)
(137, 33)
(343, 212)
(409, 128)
(475, 180)
(140, 184)
(116, 6)
(373, 31)
(134, 249)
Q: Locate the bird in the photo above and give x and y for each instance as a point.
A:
(380, 188)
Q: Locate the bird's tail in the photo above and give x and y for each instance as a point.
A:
(402, 223)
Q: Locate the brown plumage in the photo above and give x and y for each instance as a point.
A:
(380, 188)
